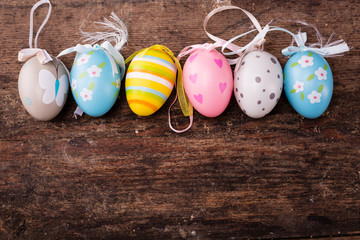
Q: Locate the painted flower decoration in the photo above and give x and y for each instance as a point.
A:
(118, 83)
(86, 94)
(306, 61)
(74, 84)
(321, 73)
(83, 59)
(314, 97)
(28, 101)
(299, 86)
(94, 71)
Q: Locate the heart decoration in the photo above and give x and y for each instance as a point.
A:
(219, 62)
(222, 86)
(193, 77)
(199, 98)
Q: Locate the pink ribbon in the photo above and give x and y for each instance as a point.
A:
(209, 47)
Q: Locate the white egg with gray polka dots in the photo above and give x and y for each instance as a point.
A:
(258, 83)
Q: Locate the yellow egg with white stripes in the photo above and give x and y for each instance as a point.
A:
(150, 79)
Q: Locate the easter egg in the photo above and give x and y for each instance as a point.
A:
(258, 83)
(308, 83)
(150, 79)
(43, 88)
(208, 82)
(95, 81)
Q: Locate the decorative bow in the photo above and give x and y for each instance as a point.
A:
(108, 48)
(330, 49)
(41, 54)
(209, 47)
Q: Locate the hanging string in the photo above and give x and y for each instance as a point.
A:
(27, 53)
(256, 44)
(39, 3)
(191, 117)
(224, 8)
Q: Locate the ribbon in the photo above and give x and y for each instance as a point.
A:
(108, 48)
(41, 54)
(39, 3)
(220, 9)
(78, 112)
(255, 44)
(329, 50)
(27, 53)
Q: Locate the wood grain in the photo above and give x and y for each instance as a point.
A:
(232, 177)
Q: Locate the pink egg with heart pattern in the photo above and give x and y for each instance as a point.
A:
(208, 82)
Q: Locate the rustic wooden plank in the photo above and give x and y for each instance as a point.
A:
(232, 177)
(341, 238)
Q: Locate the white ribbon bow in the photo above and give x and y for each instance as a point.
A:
(330, 49)
(27, 53)
(108, 48)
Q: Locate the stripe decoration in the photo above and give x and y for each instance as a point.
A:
(150, 79)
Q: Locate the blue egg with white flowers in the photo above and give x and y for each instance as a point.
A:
(95, 81)
(308, 83)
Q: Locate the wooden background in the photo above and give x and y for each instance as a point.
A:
(232, 177)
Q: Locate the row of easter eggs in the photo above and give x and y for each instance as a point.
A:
(208, 81)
